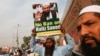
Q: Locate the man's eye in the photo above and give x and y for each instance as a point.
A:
(89, 23)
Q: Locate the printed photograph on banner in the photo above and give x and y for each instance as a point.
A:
(46, 19)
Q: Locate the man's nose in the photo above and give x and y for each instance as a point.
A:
(84, 31)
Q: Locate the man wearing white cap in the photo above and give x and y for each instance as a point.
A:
(47, 13)
(88, 26)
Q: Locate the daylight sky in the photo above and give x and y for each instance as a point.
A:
(14, 12)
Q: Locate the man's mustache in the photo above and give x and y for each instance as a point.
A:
(88, 37)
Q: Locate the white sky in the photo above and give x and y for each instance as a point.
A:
(13, 12)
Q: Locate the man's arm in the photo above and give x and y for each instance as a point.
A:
(69, 40)
(32, 42)
(67, 49)
(34, 47)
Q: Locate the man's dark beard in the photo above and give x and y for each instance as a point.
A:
(88, 50)
(49, 51)
(46, 14)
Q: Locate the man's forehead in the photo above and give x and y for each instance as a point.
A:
(81, 19)
(86, 16)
